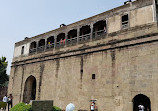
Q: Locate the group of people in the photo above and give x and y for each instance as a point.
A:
(8, 100)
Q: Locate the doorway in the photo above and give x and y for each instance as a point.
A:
(141, 99)
(29, 89)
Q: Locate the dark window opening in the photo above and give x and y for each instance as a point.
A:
(142, 100)
(72, 36)
(72, 33)
(33, 47)
(22, 50)
(50, 42)
(99, 28)
(61, 37)
(93, 76)
(85, 30)
(41, 45)
(156, 3)
(84, 33)
(29, 89)
(125, 21)
(60, 40)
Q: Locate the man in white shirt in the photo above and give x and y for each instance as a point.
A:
(5, 99)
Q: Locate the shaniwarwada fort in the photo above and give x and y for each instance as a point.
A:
(111, 58)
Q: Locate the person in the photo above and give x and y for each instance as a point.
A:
(141, 107)
(92, 106)
(62, 41)
(5, 99)
(10, 101)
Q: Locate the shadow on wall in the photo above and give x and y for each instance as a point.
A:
(3, 91)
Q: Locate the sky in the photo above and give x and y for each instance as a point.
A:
(28, 18)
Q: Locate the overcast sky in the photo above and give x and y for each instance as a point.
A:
(27, 18)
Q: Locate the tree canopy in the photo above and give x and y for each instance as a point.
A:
(3, 76)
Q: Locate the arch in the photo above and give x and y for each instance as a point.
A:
(29, 89)
(72, 33)
(41, 43)
(72, 36)
(84, 33)
(33, 47)
(85, 30)
(100, 25)
(141, 99)
(60, 37)
(60, 41)
(50, 42)
(99, 28)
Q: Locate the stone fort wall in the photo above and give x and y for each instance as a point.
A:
(124, 64)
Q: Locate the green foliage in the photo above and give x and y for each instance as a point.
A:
(3, 104)
(55, 108)
(3, 76)
(21, 107)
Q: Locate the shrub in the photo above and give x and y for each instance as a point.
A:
(21, 107)
(55, 108)
(3, 104)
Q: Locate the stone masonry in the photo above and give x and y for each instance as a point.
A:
(115, 62)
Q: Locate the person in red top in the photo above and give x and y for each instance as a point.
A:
(62, 41)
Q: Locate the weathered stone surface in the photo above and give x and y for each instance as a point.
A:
(124, 62)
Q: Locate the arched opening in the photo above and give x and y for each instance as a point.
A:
(99, 28)
(72, 36)
(33, 47)
(143, 100)
(50, 42)
(60, 40)
(41, 45)
(29, 89)
(85, 33)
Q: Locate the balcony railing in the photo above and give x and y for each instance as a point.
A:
(98, 34)
(33, 50)
(60, 44)
(50, 46)
(84, 38)
(71, 41)
(41, 48)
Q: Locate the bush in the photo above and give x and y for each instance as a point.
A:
(55, 108)
(3, 104)
(21, 107)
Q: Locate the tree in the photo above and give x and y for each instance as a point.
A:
(3, 76)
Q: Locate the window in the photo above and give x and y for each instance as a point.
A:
(125, 21)
(33, 47)
(99, 28)
(93, 76)
(22, 50)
